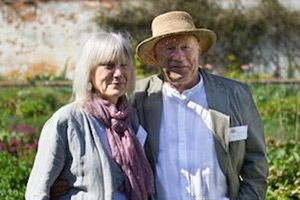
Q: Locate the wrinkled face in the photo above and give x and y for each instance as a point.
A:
(178, 56)
(111, 80)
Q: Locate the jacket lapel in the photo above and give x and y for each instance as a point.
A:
(218, 103)
(152, 112)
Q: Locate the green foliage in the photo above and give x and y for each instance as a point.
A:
(33, 105)
(284, 172)
(23, 113)
(279, 106)
(14, 174)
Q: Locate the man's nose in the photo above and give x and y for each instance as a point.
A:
(178, 54)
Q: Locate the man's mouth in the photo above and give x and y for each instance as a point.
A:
(177, 68)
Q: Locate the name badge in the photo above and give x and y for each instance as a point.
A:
(238, 133)
(141, 135)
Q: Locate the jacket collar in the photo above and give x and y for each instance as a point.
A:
(153, 112)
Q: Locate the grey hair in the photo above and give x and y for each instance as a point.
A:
(102, 47)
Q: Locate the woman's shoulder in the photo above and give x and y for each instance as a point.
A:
(67, 113)
(67, 110)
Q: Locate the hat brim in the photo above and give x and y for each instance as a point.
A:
(145, 52)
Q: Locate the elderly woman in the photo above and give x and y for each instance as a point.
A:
(91, 142)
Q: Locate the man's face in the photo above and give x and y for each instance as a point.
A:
(178, 56)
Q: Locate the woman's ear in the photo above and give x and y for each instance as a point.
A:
(89, 86)
(91, 81)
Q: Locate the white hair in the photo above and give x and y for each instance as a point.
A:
(102, 47)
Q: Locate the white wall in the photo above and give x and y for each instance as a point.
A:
(52, 32)
(290, 4)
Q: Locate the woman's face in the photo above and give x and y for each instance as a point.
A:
(111, 80)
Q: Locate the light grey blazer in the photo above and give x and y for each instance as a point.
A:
(230, 103)
(70, 148)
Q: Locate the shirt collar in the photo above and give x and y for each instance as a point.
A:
(172, 93)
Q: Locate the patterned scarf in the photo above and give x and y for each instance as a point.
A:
(125, 147)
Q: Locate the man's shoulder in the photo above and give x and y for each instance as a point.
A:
(145, 83)
(227, 83)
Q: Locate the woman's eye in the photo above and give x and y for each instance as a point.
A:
(110, 65)
(124, 66)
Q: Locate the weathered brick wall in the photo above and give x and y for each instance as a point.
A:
(290, 4)
(44, 36)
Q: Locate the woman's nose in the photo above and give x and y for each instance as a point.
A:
(117, 72)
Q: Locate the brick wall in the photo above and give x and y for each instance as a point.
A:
(45, 36)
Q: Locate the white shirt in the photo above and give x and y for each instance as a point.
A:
(187, 165)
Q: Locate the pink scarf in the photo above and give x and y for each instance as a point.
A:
(126, 149)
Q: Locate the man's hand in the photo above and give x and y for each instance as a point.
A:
(59, 188)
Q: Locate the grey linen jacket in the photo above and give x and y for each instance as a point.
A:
(243, 162)
(70, 148)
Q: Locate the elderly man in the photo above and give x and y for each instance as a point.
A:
(205, 136)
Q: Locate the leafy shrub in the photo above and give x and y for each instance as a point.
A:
(31, 106)
(284, 177)
(279, 106)
(14, 174)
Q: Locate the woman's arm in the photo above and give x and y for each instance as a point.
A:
(49, 160)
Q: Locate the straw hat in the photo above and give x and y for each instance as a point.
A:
(173, 23)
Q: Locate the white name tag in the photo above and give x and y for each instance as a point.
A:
(141, 135)
(238, 133)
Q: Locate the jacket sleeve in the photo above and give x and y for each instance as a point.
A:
(254, 170)
(49, 160)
